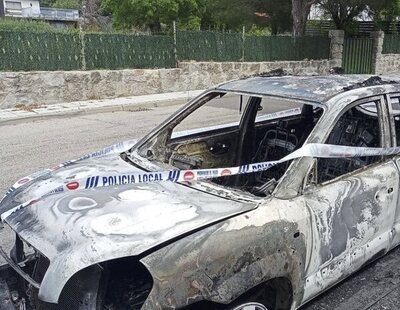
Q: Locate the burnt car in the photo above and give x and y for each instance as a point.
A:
(211, 210)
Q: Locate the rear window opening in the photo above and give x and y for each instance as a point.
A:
(229, 130)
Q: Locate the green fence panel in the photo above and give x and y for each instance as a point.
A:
(209, 46)
(118, 51)
(274, 48)
(28, 50)
(391, 44)
(357, 55)
(46, 51)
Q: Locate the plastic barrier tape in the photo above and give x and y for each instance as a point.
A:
(113, 149)
(176, 176)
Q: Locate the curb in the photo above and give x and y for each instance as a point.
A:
(97, 106)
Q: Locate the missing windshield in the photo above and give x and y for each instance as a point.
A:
(229, 130)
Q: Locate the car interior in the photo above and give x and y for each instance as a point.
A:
(358, 127)
(264, 131)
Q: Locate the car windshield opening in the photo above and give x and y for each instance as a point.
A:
(230, 130)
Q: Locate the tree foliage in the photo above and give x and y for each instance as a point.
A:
(153, 13)
(227, 14)
(22, 24)
(204, 14)
(67, 4)
(63, 4)
(384, 11)
(343, 12)
(278, 16)
(234, 14)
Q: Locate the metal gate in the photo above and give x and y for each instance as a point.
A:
(357, 55)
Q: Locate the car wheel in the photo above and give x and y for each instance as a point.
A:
(250, 306)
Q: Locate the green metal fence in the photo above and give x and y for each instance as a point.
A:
(273, 48)
(207, 45)
(30, 51)
(116, 51)
(357, 55)
(391, 44)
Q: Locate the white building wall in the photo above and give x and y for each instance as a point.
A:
(25, 8)
(33, 4)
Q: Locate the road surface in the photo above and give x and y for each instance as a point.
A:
(30, 146)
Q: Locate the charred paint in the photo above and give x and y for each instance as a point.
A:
(205, 241)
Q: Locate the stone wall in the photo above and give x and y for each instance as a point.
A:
(388, 63)
(39, 88)
(337, 42)
(383, 63)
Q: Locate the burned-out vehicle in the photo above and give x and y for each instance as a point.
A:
(238, 223)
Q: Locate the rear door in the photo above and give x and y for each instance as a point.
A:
(354, 200)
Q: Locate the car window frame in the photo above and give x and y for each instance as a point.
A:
(183, 134)
(392, 121)
(384, 128)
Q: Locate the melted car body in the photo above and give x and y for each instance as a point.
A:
(277, 237)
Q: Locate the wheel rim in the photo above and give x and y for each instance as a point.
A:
(251, 306)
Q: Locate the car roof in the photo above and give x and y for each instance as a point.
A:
(317, 89)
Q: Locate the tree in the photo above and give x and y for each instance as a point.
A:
(226, 14)
(46, 3)
(234, 14)
(152, 13)
(204, 14)
(63, 4)
(343, 12)
(67, 4)
(278, 14)
(300, 11)
(384, 11)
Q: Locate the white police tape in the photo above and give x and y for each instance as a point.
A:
(176, 176)
(113, 149)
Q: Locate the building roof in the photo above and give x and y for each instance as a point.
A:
(316, 89)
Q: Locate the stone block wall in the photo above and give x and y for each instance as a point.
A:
(42, 88)
(388, 63)
(383, 63)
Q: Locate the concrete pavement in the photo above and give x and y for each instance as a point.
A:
(22, 112)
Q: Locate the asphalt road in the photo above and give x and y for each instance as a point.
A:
(29, 146)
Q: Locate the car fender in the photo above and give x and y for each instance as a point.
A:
(222, 262)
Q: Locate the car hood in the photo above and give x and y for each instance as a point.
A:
(80, 228)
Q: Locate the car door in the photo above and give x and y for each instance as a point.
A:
(352, 201)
